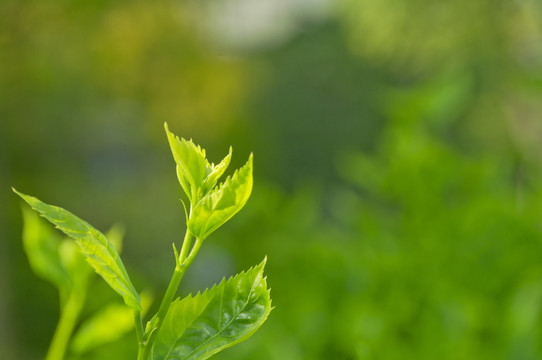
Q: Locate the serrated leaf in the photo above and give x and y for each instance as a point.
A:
(196, 175)
(73, 260)
(184, 183)
(97, 249)
(195, 328)
(42, 247)
(108, 325)
(191, 162)
(219, 205)
(215, 172)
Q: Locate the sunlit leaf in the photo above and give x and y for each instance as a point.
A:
(98, 251)
(184, 182)
(191, 162)
(196, 175)
(219, 205)
(215, 172)
(200, 326)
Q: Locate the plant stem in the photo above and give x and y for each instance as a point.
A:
(68, 318)
(186, 247)
(141, 353)
(185, 262)
(138, 324)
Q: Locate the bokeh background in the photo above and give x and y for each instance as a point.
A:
(397, 153)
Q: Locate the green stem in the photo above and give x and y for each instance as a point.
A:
(187, 242)
(68, 318)
(183, 263)
(141, 353)
(138, 323)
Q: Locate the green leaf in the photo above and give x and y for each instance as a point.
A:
(74, 261)
(42, 247)
(196, 175)
(184, 183)
(98, 251)
(215, 172)
(199, 327)
(108, 325)
(218, 206)
(191, 162)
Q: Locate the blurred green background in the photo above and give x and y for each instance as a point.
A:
(397, 153)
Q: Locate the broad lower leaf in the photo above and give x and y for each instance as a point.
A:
(196, 328)
(98, 251)
(219, 205)
(42, 247)
(108, 325)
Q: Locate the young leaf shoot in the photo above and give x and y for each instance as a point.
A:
(193, 328)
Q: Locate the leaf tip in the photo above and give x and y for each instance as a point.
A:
(249, 165)
(170, 136)
(25, 197)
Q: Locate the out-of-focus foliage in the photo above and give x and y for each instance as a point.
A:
(137, 57)
(110, 324)
(398, 143)
(496, 43)
(427, 253)
(470, 31)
